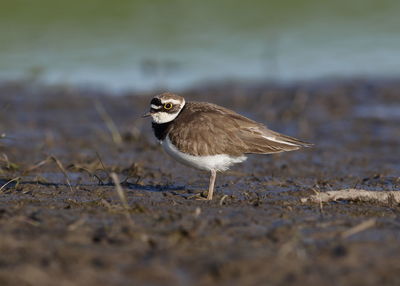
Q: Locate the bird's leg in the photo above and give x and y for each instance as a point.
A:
(212, 183)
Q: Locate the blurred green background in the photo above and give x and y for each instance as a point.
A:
(144, 45)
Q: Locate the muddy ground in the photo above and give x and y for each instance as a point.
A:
(63, 223)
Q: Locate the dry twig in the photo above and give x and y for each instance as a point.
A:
(354, 195)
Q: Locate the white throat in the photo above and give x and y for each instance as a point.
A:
(164, 117)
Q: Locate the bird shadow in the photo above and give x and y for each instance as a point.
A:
(7, 184)
(153, 188)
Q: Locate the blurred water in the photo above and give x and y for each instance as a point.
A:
(378, 111)
(146, 45)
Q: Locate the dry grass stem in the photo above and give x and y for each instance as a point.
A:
(62, 169)
(318, 194)
(106, 204)
(221, 202)
(59, 165)
(78, 223)
(355, 195)
(359, 228)
(103, 166)
(121, 195)
(82, 169)
(101, 163)
(37, 165)
(9, 182)
(116, 136)
(5, 159)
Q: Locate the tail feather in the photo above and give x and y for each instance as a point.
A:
(290, 140)
(269, 142)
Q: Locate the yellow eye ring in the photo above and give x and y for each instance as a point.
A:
(168, 105)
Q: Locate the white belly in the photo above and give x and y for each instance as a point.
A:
(220, 162)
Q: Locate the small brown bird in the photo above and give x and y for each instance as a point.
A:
(210, 137)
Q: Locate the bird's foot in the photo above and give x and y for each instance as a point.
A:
(199, 196)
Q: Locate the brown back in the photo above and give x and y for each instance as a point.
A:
(203, 129)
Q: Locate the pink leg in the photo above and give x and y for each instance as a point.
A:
(212, 183)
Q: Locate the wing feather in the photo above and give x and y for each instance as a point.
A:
(207, 129)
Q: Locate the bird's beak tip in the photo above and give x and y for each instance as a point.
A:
(146, 115)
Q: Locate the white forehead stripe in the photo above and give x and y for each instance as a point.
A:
(173, 101)
(155, 106)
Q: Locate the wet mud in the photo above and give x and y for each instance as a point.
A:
(62, 220)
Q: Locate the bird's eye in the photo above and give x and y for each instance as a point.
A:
(168, 105)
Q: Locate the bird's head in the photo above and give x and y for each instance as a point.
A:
(165, 107)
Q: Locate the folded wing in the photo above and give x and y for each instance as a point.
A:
(217, 130)
(261, 140)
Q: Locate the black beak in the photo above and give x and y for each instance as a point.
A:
(146, 115)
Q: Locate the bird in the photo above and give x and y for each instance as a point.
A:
(210, 137)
